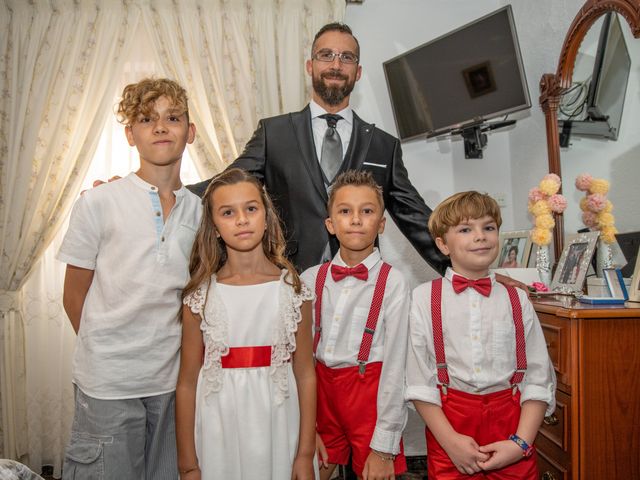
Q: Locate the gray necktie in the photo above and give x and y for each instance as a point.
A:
(331, 157)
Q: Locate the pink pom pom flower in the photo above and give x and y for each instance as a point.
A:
(553, 177)
(589, 219)
(596, 202)
(583, 182)
(535, 195)
(557, 203)
(539, 287)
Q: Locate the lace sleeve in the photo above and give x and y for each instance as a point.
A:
(195, 300)
(285, 336)
(305, 295)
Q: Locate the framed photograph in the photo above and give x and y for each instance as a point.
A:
(531, 261)
(479, 79)
(515, 250)
(574, 263)
(634, 290)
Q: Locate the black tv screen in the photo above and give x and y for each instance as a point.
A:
(607, 89)
(466, 76)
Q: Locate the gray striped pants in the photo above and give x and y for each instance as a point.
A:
(130, 439)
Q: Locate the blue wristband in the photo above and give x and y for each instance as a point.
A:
(527, 449)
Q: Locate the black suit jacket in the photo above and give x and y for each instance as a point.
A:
(282, 155)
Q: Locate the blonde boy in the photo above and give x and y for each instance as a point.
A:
(361, 321)
(127, 253)
(478, 371)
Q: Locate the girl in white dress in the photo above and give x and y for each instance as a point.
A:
(246, 393)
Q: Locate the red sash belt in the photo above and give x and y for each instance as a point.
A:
(247, 357)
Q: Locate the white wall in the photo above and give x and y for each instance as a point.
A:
(617, 161)
(386, 29)
(515, 158)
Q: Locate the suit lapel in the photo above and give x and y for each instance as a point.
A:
(359, 143)
(301, 124)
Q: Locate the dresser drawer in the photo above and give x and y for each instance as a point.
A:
(550, 470)
(556, 427)
(557, 335)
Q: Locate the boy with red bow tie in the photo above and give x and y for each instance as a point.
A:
(478, 370)
(361, 321)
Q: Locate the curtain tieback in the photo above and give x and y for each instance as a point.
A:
(10, 300)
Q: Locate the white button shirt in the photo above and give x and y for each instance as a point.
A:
(345, 307)
(479, 344)
(129, 338)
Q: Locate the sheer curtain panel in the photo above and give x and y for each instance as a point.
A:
(240, 61)
(57, 62)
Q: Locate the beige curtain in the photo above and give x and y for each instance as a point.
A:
(240, 61)
(57, 64)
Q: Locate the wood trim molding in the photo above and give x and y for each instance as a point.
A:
(553, 85)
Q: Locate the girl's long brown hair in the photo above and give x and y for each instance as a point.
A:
(209, 253)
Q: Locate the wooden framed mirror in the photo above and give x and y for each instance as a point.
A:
(554, 85)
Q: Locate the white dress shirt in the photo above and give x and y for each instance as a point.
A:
(479, 344)
(129, 339)
(345, 307)
(319, 126)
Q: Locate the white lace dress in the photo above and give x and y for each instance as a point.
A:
(247, 419)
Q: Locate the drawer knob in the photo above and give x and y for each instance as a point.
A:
(548, 476)
(551, 420)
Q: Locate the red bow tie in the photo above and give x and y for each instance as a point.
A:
(359, 271)
(482, 286)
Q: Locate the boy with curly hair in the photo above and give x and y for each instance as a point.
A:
(127, 253)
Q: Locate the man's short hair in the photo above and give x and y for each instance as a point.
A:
(336, 27)
(461, 207)
(355, 178)
(139, 99)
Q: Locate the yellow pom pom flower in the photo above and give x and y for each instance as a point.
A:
(545, 221)
(548, 187)
(544, 203)
(599, 185)
(596, 209)
(583, 204)
(540, 236)
(541, 207)
(608, 234)
(605, 220)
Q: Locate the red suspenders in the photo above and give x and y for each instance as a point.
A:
(372, 318)
(438, 338)
(320, 279)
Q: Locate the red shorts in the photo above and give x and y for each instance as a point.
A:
(487, 419)
(347, 413)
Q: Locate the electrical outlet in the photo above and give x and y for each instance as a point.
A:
(501, 198)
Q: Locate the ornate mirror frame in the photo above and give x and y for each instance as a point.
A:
(553, 85)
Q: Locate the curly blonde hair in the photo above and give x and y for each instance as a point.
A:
(139, 99)
(209, 253)
(460, 207)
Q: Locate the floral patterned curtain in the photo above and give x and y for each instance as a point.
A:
(59, 59)
(240, 60)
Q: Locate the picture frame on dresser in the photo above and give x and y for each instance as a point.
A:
(574, 262)
(634, 289)
(518, 242)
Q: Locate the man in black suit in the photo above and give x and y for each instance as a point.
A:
(286, 152)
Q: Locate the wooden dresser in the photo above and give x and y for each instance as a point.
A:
(595, 431)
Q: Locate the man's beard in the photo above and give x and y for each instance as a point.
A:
(332, 95)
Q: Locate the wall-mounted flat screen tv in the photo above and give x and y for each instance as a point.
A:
(607, 90)
(464, 77)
